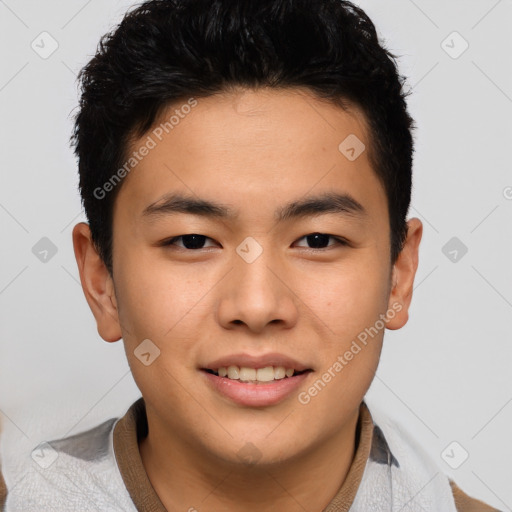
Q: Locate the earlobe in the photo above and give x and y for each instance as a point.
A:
(97, 284)
(404, 271)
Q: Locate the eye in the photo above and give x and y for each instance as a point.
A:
(195, 241)
(192, 241)
(318, 240)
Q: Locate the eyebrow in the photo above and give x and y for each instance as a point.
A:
(336, 203)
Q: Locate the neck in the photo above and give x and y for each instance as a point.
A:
(189, 479)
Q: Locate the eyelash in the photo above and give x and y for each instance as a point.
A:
(339, 241)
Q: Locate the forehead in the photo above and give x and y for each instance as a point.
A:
(250, 148)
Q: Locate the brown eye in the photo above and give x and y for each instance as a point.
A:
(191, 242)
(320, 240)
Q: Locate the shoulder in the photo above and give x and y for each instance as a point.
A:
(414, 468)
(465, 503)
(3, 490)
(76, 473)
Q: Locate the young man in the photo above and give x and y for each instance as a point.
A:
(245, 168)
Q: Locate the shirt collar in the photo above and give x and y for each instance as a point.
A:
(133, 427)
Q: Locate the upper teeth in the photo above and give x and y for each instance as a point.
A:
(252, 374)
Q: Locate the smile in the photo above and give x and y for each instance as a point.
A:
(255, 375)
(245, 389)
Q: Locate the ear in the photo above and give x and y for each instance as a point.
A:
(97, 284)
(402, 279)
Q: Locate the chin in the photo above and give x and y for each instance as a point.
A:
(258, 451)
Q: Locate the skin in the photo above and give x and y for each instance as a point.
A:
(253, 150)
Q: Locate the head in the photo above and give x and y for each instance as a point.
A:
(276, 132)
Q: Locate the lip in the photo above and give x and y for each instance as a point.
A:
(255, 395)
(253, 361)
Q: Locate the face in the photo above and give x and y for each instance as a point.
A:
(283, 263)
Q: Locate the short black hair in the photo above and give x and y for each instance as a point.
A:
(167, 50)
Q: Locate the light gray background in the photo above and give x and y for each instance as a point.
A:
(446, 375)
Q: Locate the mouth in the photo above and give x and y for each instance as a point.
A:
(265, 375)
(251, 380)
(255, 387)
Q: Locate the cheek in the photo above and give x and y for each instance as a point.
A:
(348, 299)
(154, 297)
(349, 350)
(161, 305)
(349, 303)
(167, 304)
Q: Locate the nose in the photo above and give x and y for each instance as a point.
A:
(256, 295)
